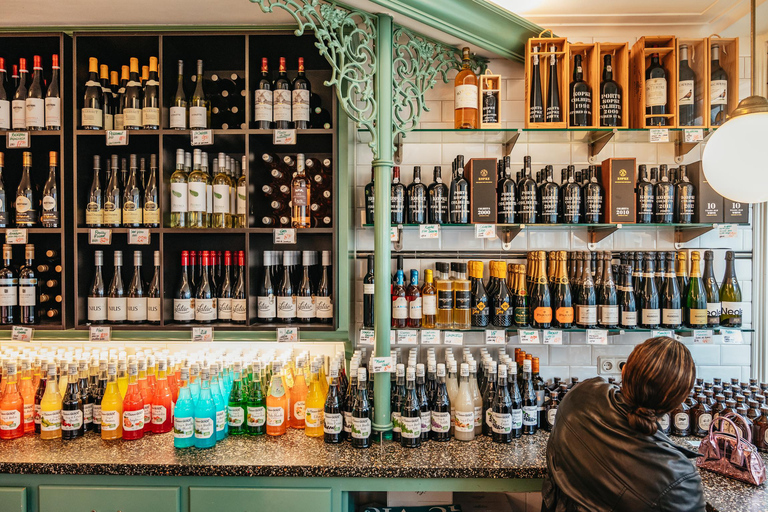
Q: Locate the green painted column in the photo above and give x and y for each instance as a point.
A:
(382, 167)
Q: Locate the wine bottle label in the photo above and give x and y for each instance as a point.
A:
(136, 309)
(112, 214)
(71, 420)
(224, 306)
(242, 200)
(713, 313)
(267, 306)
(150, 116)
(587, 314)
(521, 315)
(196, 198)
(581, 102)
(682, 420)
(441, 422)
(275, 416)
(262, 105)
(564, 315)
(464, 421)
(49, 205)
(221, 199)
(53, 113)
(23, 205)
(300, 105)
(501, 423)
(27, 292)
(29, 413)
(183, 428)
(178, 118)
(204, 310)
(415, 309)
(428, 304)
(183, 310)
(119, 122)
(50, 420)
(530, 415)
(109, 122)
(298, 409)
(718, 92)
(281, 105)
(729, 309)
(208, 199)
(324, 307)
(698, 317)
(542, 315)
(462, 300)
(133, 420)
(333, 423)
(444, 300)
(147, 414)
(154, 305)
(656, 92)
(361, 428)
(628, 318)
(9, 292)
(517, 419)
(97, 309)
(646, 202)
(368, 288)
(116, 309)
(18, 114)
(179, 193)
(221, 420)
(132, 117)
(300, 193)
(347, 422)
(609, 315)
(286, 307)
(704, 421)
(35, 112)
(671, 316)
(465, 96)
(110, 420)
(198, 118)
(5, 115)
(239, 311)
(399, 308)
(256, 416)
(411, 427)
(94, 215)
(204, 428)
(685, 92)
(651, 316)
(10, 419)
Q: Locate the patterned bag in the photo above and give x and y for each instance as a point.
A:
(724, 451)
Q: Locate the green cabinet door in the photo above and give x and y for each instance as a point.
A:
(54, 498)
(13, 499)
(210, 499)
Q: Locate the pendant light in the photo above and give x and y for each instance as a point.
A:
(735, 158)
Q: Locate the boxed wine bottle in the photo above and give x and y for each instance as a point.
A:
(735, 212)
(708, 205)
(482, 178)
(618, 178)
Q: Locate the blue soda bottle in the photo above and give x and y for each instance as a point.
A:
(205, 414)
(222, 426)
(194, 382)
(184, 415)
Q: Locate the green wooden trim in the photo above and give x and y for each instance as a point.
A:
(69, 29)
(176, 335)
(344, 268)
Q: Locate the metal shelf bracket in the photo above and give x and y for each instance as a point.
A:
(508, 233)
(683, 234)
(598, 233)
(597, 141)
(509, 145)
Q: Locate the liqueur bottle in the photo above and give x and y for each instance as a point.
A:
(205, 413)
(655, 92)
(464, 408)
(554, 114)
(536, 108)
(417, 199)
(397, 197)
(718, 89)
(593, 198)
(465, 95)
(479, 301)
(685, 198)
(527, 195)
(12, 406)
(459, 195)
(50, 407)
(333, 420)
(572, 203)
(428, 301)
(413, 296)
(664, 198)
(313, 415)
(410, 413)
(300, 196)
(444, 297)
(501, 410)
(645, 197)
(502, 313)
(361, 413)
(507, 195)
(686, 90)
(608, 309)
(581, 96)
(530, 404)
(421, 394)
(461, 298)
(184, 414)
(437, 198)
(586, 308)
(399, 302)
(550, 199)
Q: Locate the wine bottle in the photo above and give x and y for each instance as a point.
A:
(712, 290)
(696, 300)
(562, 299)
(459, 202)
(197, 189)
(150, 110)
(627, 304)
(650, 314)
(132, 207)
(586, 308)
(730, 295)
(370, 200)
(465, 95)
(150, 200)
(686, 90)
(461, 298)
(685, 198)
(323, 298)
(50, 215)
(205, 311)
(608, 313)
(136, 301)
(262, 99)
(397, 198)
(9, 284)
(368, 294)
(108, 106)
(301, 90)
(550, 198)
(34, 102)
(664, 198)
(199, 106)
(417, 199)
(281, 98)
(670, 297)
(645, 197)
(28, 288)
(300, 196)
(399, 302)
(527, 194)
(681, 269)
(655, 92)
(480, 300)
(132, 101)
(19, 102)
(437, 198)
(413, 296)
(5, 105)
(718, 89)
(154, 299)
(506, 192)
(530, 403)
(52, 99)
(554, 115)
(26, 200)
(119, 118)
(536, 106)
(116, 299)
(593, 198)
(97, 299)
(241, 196)
(410, 413)
(178, 106)
(581, 96)
(183, 301)
(610, 96)
(239, 304)
(305, 302)
(179, 192)
(502, 313)
(541, 301)
(286, 302)
(221, 216)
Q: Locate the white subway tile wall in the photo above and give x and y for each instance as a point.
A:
(574, 358)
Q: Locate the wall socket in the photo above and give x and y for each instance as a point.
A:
(607, 365)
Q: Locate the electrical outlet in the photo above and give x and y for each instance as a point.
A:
(607, 365)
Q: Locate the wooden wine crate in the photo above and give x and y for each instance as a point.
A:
(640, 58)
(561, 53)
(620, 65)
(698, 60)
(590, 65)
(729, 61)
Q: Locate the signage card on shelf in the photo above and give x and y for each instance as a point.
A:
(284, 137)
(495, 337)
(659, 134)
(98, 236)
(17, 140)
(669, 333)
(201, 137)
(529, 336)
(392, 338)
(100, 333)
(16, 236)
(202, 334)
(285, 235)
(393, 234)
(430, 337)
(693, 135)
(367, 336)
(429, 231)
(732, 336)
(727, 230)
(702, 336)
(597, 337)
(453, 338)
(407, 337)
(117, 137)
(553, 337)
(485, 230)
(138, 236)
(19, 333)
(382, 364)
(287, 334)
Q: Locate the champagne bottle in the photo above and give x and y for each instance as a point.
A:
(650, 314)
(609, 301)
(587, 305)
(480, 301)
(541, 302)
(671, 299)
(730, 295)
(627, 305)
(712, 290)
(562, 300)
(696, 300)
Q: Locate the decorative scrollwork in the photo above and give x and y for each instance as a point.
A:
(345, 37)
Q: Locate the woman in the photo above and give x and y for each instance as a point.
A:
(606, 452)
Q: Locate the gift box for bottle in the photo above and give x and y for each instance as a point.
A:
(618, 180)
(482, 178)
(735, 212)
(708, 204)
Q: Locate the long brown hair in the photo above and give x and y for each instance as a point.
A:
(659, 374)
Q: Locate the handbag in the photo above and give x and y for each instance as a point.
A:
(731, 455)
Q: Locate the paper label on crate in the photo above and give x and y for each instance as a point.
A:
(284, 137)
(702, 336)
(662, 332)
(393, 234)
(284, 235)
(407, 337)
(367, 337)
(693, 135)
(553, 337)
(427, 231)
(597, 337)
(727, 230)
(16, 236)
(453, 338)
(100, 333)
(117, 137)
(732, 336)
(100, 236)
(485, 230)
(19, 333)
(201, 137)
(17, 140)
(430, 337)
(287, 334)
(202, 334)
(659, 134)
(382, 364)
(138, 237)
(495, 337)
(529, 336)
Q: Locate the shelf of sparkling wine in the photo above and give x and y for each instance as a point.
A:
(30, 286)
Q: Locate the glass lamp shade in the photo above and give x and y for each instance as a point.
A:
(735, 159)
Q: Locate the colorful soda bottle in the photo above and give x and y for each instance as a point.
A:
(72, 414)
(27, 391)
(133, 406)
(205, 414)
(277, 406)
(299, 396)
(218, 400)
(11, 406)
(236, 405)
(122, 377)
(256, 410)
(50, 407)
(194, 381)
(146, 394)
(184, 414)
(112, 406)
(162, 401)
(315, 404)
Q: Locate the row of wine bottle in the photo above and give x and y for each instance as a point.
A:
(30, 207)
(31, 290)
(27, 107)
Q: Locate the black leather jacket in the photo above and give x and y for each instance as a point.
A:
(596, 462)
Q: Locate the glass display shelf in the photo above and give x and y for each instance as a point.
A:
(683, 331)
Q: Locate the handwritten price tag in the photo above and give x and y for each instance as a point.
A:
(19, 333)
(100, 333)
(287, 334)
(138, 237)
(407, 337)
(202, 334)
(100, 236)
(285, 235)
(201, 137)
(553, 337)
(702, 336)
(17, 140)
(284, 137)
(382, 364)
(430, 337)
(495, 337)
(693, 135)
(485, 230)
(727, 231)
(669, 333)
(732, 336)
(453, 338)
(597, 337)
(367, 337)
(394, 234)
(117, 137)
(659, 134)
(16, 236)
(529, 337)
(428, 231)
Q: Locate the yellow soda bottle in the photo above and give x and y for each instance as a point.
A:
(61, 375)
(299, 395)
(50, 407)
(323, 377)
(315, 404)
(122, 377)
(112, 406)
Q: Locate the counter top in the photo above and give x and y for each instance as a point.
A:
(296, 455)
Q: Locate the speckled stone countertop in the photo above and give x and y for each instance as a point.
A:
(297, 455)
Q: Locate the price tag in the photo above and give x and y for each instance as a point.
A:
(429, 231)
(495, 337)
(100, 333)
(553, 337)
(485, 230)
(407, 337)
(597, 337)
(394, 234)
(19, 333)
(17, 140)
(732, 336)
(100, 236)
(663, 332)
(529, 337)
(392, 338)
(693, 135)
(201, 137)
(659, 134)
(138, 237)
(367, 337)
(430, 337)
(16, 236)
(287, 334)
(702, 336)
(202, 334)
(382, 364)
(727, 231)
(284, 137)
(284, 235)
(117, 137)
(453, 338)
